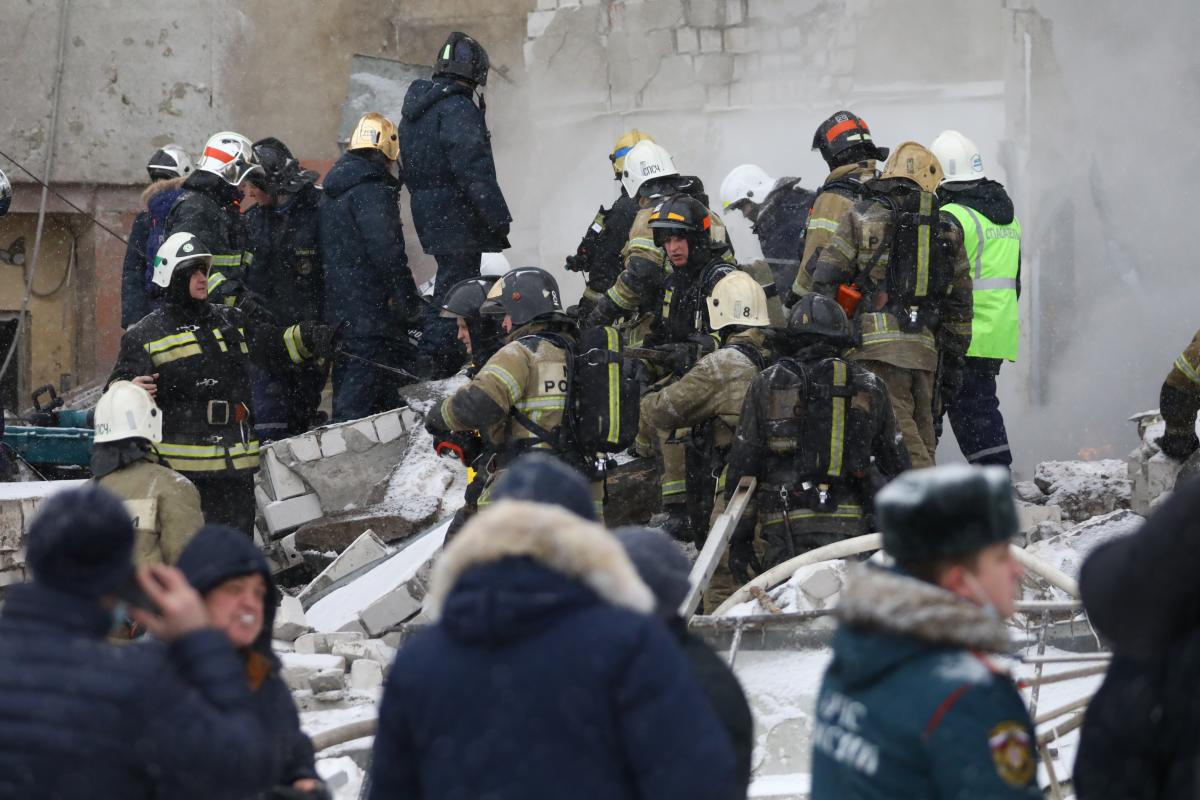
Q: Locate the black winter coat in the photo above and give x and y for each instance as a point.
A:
(545, 677)
(1141, 735)
(135, 299)
(367, 279)
(446, 148)
(287, 275)
(782, 221)
(80, 717)
(210, 209)
(599, 253)
(213, 556)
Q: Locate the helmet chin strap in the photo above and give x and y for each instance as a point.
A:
(482, 101)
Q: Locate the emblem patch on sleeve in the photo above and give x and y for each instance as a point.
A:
(1012, 752)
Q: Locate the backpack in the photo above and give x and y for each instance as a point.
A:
(603, 396)
(918, 274)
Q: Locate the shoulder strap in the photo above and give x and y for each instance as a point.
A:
(753, 354)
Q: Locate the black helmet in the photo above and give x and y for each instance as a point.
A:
(816, 316)
(465, 298)
(463, 57)
(845, 138)
(281, 170)
(169, 161)
(681, 215)
(525, 294)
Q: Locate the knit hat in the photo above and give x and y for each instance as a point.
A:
(541, 478)
(660, 563)
(81, 542)
(942, 512)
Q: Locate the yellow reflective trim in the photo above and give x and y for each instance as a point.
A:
(246, 462)
(544, 403)
(673, 215)
(510, 383)
(250, 447)
(189, 450)
(169, 341)
(837, 432)
(227, 260)
(822, 224)
(291, 338)
(220, 340)
(195, 464)
(614, 389)
(1187, 369)
(923, 247)
(173, 355)
(844, 511)
(672, 488)
(448, 415)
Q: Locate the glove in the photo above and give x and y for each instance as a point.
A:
(251, 304)
(322, 341)
(574, 264)
(466, 446)
(434, 424)
(1178, 446)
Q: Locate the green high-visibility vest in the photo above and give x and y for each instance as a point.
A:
(994, 254)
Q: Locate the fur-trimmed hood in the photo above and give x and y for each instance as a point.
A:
(158, 187)
(890, 602)
(517, 565)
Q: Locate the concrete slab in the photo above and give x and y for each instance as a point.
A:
(366, 549)
(282, 516)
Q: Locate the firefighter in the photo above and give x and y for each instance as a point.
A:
(845, 142)
(210, 209)
(480, 334)
(192, 355)
(287, 282)
(518, 400)
(991, 235)
(778, 214)
(913, 704)
(899, 265)
(168, 168)
(599, 253)
(1178, 402)
(702, 407)
(818, 433)
(164, 505)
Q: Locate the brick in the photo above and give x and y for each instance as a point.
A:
(705, 13)
(290, 621)
(322, 643)
(370, 649)
(333, 443)
(366, 549)
(305, 448)
(714, 69)
(388, 427)
(821, 583)
(687, 40)
(366, 675)
(327, 680)
(735, 12)
(711, 40)
(298, 668)
(284, 483)
(287, 515)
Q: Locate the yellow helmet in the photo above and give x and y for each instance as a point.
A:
(623, 145)
(376, 132)
(737, 299)
(911, 160)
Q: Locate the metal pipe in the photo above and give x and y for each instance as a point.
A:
(345, 733)
(1105, 657)
(1074, 705)
(1035, 606)
(1059, 677)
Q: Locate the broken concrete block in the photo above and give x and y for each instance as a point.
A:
(286, 515)
(284, 483)
(1042, 531)
(333, 443)
(1029, 492)
(297, 668)
(290, 621)
(327, 680)
(388, 427)
(322, 643)
(1029, 515)
(366, 549)
(305, 448)
(366, 675)
(822, 582)
(370, 649)
(337, 533)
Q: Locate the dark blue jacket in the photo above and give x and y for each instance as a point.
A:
(135, 294)
(80, 717)
(910, 707)
(457, 204)
(782, 220)
(533, 685)
(214, 555)
(286, 274)
(367, 279)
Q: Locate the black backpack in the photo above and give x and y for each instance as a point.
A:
(603, 396)
(919, 275)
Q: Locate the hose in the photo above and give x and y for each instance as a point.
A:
(66, 278)
(345, 733)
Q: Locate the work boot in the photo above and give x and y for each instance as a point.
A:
(674, 521)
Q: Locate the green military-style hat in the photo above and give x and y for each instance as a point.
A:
(943, 512)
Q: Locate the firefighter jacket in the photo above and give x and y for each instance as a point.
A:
(201, 353)
(599, 253)
(164, 505)
(858, 254)
(527, 376)
(809, 428)
(780, 225)
(209, 208)
(712, 391)
(1180, 397)
(841, 190)
(287, 275)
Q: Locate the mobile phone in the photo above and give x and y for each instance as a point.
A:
(131, 592)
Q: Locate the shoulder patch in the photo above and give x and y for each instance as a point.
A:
(1012, 753)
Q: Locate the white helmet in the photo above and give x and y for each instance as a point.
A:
(169, 160)
(231, 156)
(737, 299)
(747, 182)
(5, 193)
(646, 161)
(177, 251)
(127, 411)
(959, 157)
(493, 265)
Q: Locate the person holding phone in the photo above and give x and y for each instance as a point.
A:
(241, 597)
(81, 717)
